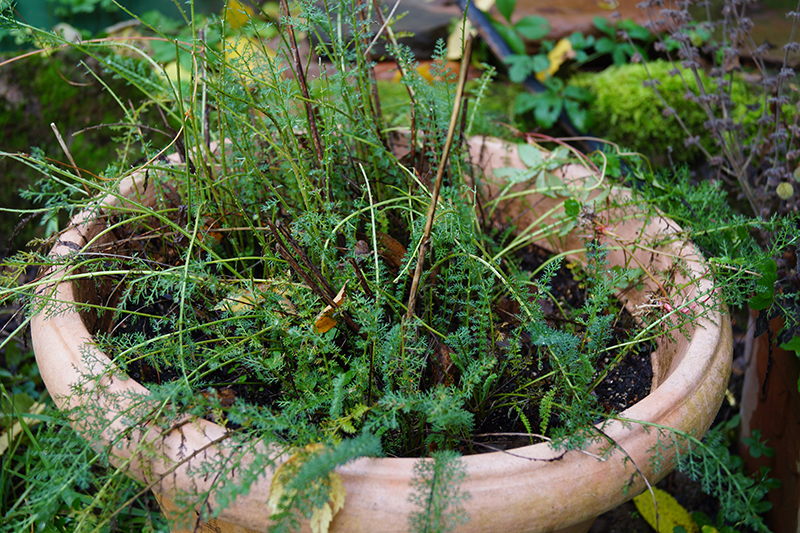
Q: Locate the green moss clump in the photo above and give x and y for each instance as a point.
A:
(37, 91)
(627, 112)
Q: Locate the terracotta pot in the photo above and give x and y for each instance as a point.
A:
(771, 404)
(533, 489)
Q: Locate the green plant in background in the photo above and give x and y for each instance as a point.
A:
(530, 27)
(755, 151)
(66, 8)
(557, 94)
(742, 498)
(622, 41)
(86, 115)
(558, 97)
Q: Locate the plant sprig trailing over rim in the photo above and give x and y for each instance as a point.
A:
(741, 496)
(215, 296)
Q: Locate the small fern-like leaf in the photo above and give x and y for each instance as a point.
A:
(545, 408)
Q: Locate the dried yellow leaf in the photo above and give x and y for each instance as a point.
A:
(16, 429)
(236, 14)
(176, 73)
(670, 513)
(321, 519)
(325, 321)
(244, 300)
(249, 49)
(557, 56)
(322, 516)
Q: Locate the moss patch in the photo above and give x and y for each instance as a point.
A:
(627, 112)
(35, 92)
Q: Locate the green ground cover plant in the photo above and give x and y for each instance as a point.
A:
(628, 112)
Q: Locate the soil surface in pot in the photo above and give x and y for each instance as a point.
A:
(506, 426)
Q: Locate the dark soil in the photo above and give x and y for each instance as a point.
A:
(626, 383)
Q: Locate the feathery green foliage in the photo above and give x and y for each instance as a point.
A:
(741, 496)
(437, 495)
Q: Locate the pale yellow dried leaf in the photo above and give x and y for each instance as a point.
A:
(325, 321)
(338, 492)
(455, 40)
(236, 14)
(248, 49)
(321, 519)
(322, 516)
(557, 56)
(176, 73)
(16, 428)
(244, 300)
(670, 513)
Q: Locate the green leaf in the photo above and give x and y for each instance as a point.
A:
(577, 114)
(702, 519)
(512, 38)
(525, 102)
(506, 8)
(621, 54)
(519, 67)
(533, 27)
(548, 111)
(21, 404)
(572, 207)
(758, 448)
(577, 93)
(602, 24)
(605, 45)
(793, 344)
(547, 184)
(554, 86)
(641, 51)
(163, 51)
(163, 23)
(765, 287)
(539, 63)
(636, 32)
(580, 41)
(530, 155)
